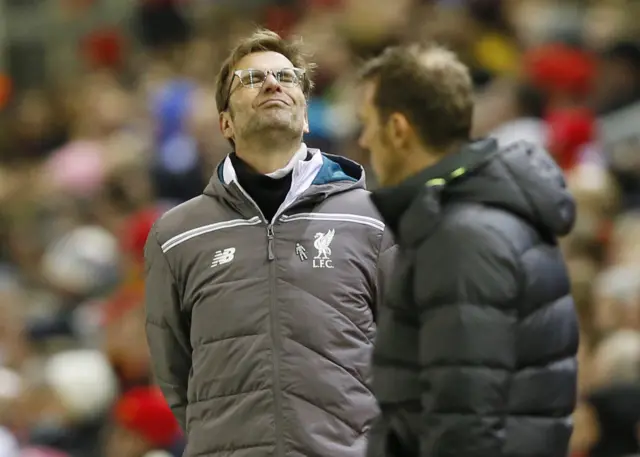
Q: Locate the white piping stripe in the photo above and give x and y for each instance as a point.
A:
(365, 220)
(181, 238)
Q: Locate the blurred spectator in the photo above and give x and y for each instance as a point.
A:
(5, 90)
(178, 166)
(598, 200)
(9, 446)
(510, 110)
(124, 338)
(65, 408)
(37, 126)
(617, 293)
(495, 50)
(142, 423)
(624, 248)
(569, 130)
(618, 81)
(608, 414)
(617, 411)
(135, 230)
(83, 262)
(13, 345)
(564, 72)
(617, 359)
(103, 49)
(161, 23)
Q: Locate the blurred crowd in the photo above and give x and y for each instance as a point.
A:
(88, 162)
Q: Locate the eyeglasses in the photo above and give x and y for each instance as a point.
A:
(254, 78)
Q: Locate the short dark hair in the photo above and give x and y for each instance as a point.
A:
(260, 41)
(430, 86)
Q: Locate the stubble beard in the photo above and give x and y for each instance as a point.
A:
(391, 163)
(278, 126)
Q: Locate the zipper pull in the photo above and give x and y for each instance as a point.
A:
(271, 256)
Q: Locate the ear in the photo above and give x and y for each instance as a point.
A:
(398, 130)
(226, 125)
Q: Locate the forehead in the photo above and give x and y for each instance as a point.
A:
(266, 60)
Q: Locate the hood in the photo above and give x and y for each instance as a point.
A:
(521, 179)
(318, 175)
(338, 173)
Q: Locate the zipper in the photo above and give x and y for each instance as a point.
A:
(274, 322)
(270, 237)
(270, 234)
(277, 348)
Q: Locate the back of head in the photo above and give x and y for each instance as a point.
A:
(430, 86)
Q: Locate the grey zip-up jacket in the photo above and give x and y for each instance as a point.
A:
(261, 331)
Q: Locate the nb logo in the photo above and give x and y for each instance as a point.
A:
(222, 257)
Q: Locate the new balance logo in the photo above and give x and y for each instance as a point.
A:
(222, 257)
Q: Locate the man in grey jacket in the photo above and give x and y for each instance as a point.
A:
(261, 293)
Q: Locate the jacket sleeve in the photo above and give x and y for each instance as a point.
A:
(465, 280)
(167, 331)
(386, 260)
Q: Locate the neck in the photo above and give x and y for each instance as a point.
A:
(415, 166)
(420, 158)
(265, 158)
(417, 161)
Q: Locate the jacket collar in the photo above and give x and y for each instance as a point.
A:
(224, 184)
(393, 202)
(316, 178)
(229, 173)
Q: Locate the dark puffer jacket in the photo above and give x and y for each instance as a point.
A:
(476, 347)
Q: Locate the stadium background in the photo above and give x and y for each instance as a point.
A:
(107, 118)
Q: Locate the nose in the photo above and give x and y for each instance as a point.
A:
(271, 84)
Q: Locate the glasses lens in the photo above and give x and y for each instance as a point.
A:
(288, 77)
(252, 78)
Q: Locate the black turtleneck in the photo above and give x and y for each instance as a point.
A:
(267, 192)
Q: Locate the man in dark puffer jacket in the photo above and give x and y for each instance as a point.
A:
(476, 347)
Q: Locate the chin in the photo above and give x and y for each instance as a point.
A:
(281, 130)
(273, 119)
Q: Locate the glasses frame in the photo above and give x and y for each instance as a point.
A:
(238, 74)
